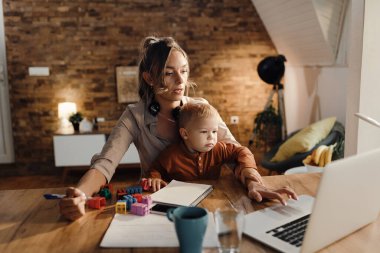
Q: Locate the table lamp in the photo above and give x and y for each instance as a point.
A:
(65, 110)
(367, 119)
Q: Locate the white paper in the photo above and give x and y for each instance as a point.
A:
(132, 231)
(181, 193)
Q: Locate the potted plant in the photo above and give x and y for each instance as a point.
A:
(75, 119)
(267, 128)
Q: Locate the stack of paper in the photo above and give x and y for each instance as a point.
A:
(132, 231)
(156, 230)
(181, 193)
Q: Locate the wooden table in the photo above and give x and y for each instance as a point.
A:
(29, 223)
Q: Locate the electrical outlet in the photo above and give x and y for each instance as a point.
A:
(234, 120)
(39, 71)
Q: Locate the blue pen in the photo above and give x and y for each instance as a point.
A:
(58, 196)
(54, 196)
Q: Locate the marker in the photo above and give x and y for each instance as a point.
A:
(54, 196)
(58, 196)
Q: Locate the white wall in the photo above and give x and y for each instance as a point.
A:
(354, 75)
(314, 93)
(368, 136)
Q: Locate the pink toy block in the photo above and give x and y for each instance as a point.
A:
(96, 202)
(147, 199)
(121, 207)
(140, 209)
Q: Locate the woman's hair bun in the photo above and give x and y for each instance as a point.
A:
(149, 41)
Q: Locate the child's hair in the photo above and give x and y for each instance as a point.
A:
(155, 52)
(195, 111)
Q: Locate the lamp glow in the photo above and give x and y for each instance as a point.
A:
(66, 109)
(64, 112)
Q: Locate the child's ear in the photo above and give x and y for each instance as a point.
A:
(148, 78)
(183, 133)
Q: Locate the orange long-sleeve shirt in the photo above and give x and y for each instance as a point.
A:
(176, 162)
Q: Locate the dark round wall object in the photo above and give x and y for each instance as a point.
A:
(271, 69)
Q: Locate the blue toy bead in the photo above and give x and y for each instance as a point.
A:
(134, 189)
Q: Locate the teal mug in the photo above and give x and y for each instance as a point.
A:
(190, 226)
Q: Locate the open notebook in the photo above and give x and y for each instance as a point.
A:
(178, 193)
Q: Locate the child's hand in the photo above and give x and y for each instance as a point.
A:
(250, 174)
(72, 206)
(258, 192)
(156, 184)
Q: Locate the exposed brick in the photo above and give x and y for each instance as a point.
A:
(83, 41)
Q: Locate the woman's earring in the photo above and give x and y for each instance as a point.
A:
(154, 108)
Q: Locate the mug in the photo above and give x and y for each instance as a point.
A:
(190, 226)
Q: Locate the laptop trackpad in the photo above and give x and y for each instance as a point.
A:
(267, 218)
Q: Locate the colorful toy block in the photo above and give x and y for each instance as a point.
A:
(147, 199)
(140, 209)
(96, 202)
(138, 197)
(144, 184)
(105, 192)
(109, 187)
(120, 193)
(121, 207)
(130, 200)
(134, 189)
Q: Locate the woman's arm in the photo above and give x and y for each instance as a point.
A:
(103, 166)
(91, 182)
(72, 206)
(116, 146)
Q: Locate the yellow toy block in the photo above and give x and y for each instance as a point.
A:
(121, 207)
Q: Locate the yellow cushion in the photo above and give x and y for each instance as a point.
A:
(305, 139)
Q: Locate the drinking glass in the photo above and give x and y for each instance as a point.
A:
(229, 227)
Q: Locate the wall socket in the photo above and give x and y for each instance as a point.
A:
(234, 120)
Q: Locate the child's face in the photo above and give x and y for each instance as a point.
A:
(201, 135)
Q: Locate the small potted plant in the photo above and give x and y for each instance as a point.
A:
(75, 119)
(267, 128)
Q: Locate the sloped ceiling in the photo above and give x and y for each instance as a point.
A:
(306, 32)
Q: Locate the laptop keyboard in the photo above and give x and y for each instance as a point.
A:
(292, 232)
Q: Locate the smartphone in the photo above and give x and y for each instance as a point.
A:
(161, 208)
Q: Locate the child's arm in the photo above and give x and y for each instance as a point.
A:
(252, 174)
(251, 178)
(155, 184)
(258, 192)
(155, 181)
(246, 167)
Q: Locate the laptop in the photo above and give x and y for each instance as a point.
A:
(346, 200)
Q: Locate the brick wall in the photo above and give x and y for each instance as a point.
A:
(83, 41)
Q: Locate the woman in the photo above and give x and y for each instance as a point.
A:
(150, 124)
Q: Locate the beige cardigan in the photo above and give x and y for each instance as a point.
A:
(137, 125)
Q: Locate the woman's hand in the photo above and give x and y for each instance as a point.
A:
(72, 206)
(156, 184)
(258, 192)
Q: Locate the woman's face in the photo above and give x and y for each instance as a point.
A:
(176, 74)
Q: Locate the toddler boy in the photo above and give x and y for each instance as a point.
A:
(200, 156)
